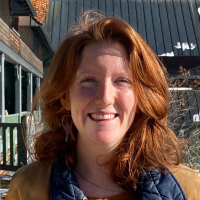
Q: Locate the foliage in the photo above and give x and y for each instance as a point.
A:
(182, 118)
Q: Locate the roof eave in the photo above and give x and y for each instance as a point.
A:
(40, 31)
(28, 7)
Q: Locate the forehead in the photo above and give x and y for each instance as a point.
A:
(103, 54)
(112, 49)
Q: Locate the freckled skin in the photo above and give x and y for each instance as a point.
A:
(103, 84)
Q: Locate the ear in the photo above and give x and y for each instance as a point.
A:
(64, 100)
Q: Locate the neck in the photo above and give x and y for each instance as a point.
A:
(90, 170)
(92, 157)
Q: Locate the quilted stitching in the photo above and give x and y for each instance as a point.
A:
(152, 185)
(159, 186)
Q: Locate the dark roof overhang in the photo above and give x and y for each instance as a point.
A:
(38, 29)
(22, 8)
(41, 34)
(189, 63)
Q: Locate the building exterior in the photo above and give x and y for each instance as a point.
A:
(24, 47)
(24, 51)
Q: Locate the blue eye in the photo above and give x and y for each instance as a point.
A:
(124, 82)
(89, 82)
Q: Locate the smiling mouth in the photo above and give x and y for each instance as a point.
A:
(102, 116)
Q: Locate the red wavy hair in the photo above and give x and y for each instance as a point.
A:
(149, 143)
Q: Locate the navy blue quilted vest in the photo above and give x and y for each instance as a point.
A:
(153, 185)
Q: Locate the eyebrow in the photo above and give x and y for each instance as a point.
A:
(83, 73)
(86, 71)
(123, 73)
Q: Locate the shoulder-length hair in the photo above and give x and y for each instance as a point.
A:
(148, 143)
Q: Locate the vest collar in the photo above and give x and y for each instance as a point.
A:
(152, 185)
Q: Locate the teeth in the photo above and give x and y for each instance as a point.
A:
(106, 116)
(101, 116)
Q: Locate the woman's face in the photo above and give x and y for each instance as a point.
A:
(102, 99)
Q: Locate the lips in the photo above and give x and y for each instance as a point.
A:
(102, 116)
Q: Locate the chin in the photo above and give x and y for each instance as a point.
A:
(103, 143)
(106, 140)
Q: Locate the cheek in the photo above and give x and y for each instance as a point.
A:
(128, 103)
(80, 97)
(85, 93)
(128, 100)
(80, 91)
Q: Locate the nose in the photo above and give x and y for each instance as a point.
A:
(105, 94)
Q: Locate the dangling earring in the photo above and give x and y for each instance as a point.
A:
(68, 128)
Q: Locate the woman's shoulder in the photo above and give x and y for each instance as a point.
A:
(31, 180)
(34, 170)
(189, 181)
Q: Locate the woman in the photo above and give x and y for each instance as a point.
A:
(104, 110)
